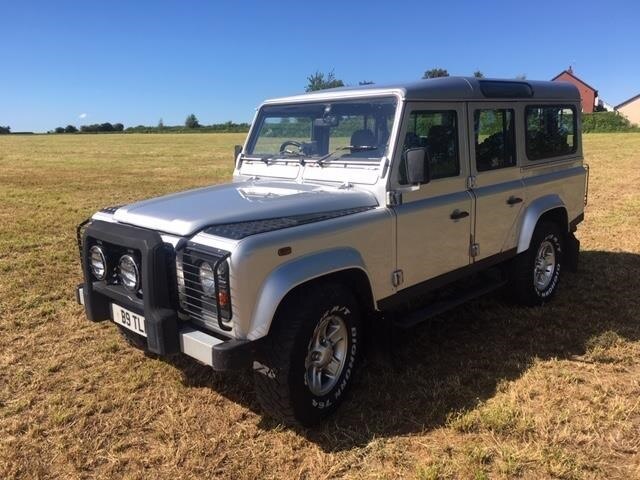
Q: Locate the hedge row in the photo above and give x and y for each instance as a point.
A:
(606, 122)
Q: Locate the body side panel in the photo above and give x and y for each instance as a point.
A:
(292, 274)
(370, 235)
(548, 187)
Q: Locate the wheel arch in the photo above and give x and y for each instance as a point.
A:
(343, 265)
(548, 207)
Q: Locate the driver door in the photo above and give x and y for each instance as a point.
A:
(434, 221)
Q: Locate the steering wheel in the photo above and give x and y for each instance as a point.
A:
(283, 147)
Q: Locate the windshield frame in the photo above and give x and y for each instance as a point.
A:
(331, 157)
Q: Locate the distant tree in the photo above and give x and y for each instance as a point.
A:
(318, 81)
(59, 130)
(478, 74)
(365, 82)
(93, 128)
(522, 76)
(160, 124)
(435, 73)
(118, 127)
(5, 130)
(70, 129)
(191, 122)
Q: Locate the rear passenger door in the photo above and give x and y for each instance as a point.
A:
(496, 179)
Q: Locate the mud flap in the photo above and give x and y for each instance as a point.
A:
(571, 253)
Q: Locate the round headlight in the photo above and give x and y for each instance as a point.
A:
(129, 275)
(207, 279)
(97, 262)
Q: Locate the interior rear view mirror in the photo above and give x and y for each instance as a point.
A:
(327, 121)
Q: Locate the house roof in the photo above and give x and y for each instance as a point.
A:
(627, 101)
(575, 78)
(451, 88)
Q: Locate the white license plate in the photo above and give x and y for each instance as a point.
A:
(128, 319)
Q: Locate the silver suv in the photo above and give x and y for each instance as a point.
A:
(348, 208)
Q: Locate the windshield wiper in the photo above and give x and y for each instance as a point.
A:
(283, 155)
(352, 148)
(289, 154)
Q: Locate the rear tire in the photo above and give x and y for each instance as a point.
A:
(306, 364)
(535, 274)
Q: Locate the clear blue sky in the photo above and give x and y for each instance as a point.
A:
(77, 62)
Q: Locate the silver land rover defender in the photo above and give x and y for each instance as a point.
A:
(349, 208)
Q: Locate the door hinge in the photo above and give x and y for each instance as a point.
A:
(397, 278)
(394, 198)
(471, 182)
(474, 250)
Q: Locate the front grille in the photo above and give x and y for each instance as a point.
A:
(201, 308)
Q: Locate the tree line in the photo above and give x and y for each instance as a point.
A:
(191, 124)
(93, 128)
(5, 130)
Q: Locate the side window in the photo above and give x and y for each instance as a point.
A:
(495, 139)
(551, 131)
(437, 131)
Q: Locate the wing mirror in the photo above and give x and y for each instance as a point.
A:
(417, 161)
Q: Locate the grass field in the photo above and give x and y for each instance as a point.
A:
(485, 391)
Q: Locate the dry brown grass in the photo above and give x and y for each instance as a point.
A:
(486, 391)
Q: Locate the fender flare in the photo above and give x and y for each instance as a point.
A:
(534, 211)
(288, 276)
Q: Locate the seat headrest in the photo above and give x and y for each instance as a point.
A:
(438, 131)
(363, 138)
(411, 140)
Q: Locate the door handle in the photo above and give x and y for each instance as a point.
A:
(458, 214)
(513, 200)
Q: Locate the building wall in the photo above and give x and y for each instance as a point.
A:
(632, 111)
(587, 95)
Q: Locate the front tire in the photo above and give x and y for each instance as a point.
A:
(306, 364)
(535, 274)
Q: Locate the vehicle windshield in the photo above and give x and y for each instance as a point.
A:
(353, 130)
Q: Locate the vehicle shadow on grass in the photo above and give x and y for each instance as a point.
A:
(451, 363)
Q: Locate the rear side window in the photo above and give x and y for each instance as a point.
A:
(437, 131)
(495, 139)
(551, 131)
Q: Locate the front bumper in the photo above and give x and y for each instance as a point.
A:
(166, 334)
(220, 354)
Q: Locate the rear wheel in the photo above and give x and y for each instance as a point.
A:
(306, 364)
(535, 273)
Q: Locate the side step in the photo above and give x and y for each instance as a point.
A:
(440, 306)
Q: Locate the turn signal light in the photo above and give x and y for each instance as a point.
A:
(223, 298)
